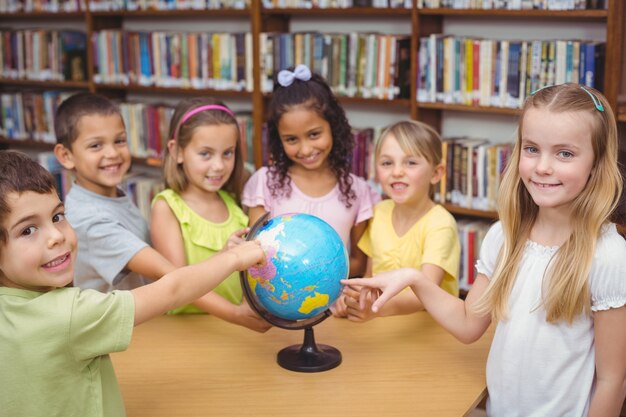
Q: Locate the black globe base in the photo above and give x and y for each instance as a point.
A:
(309, 357)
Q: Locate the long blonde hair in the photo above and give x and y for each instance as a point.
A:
(566, 294)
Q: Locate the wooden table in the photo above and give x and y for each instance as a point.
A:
(197, 365)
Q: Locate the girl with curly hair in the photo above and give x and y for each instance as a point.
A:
(310, 143)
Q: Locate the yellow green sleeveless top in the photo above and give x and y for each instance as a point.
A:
(203, 239)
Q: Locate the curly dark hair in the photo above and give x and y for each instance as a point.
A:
(316, 95)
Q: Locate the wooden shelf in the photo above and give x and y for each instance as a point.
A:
(45, 84)
(42, 15)
(350, 11)
(172, 90)
(518, 14)
(401, 102)
(27, 144)
(376, 101)
(466, 108)
(220, 13)
(490, 215)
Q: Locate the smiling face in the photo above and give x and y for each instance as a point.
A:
(41, 245)
(208, 159)
(405, 178)
(306, 137)
(556, 156)
(99, 156)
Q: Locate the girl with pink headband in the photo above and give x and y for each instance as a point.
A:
(198, 214)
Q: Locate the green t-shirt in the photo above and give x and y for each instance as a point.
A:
(54, 351)
(202, 239)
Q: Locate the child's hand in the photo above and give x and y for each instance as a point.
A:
(383, 286)
(353, 303)
(248, 254)
(236, 238)
(245, 316)
(338, 308)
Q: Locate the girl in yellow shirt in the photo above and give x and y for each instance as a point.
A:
(409, 229)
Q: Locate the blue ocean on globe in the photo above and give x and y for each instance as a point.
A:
(306, 258)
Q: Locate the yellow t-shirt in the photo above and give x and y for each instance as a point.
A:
(433, 239)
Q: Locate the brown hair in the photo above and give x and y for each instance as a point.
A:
(74, 108)
(172, 171)
(19, 174)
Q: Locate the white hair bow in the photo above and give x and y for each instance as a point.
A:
(301, 72)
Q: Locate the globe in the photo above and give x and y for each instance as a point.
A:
(305, 261)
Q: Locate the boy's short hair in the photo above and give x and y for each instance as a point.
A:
(19, 174)
(74, 108)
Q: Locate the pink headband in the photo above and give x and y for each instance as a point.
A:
(197, 110)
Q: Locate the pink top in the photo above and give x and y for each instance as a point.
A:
(328, 208)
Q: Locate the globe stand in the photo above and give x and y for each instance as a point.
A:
(309, 357)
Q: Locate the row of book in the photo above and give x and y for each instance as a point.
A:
(62, 177)
(30, 116)
(55, 6)
(43, 55)
(502, 73)
(142, 187)
(135, 5)
(471, 235)
(368, 65)
(514, 4)
(38, 6)
(451, 69)
(473, 171)
(336, 4)
(219, 61)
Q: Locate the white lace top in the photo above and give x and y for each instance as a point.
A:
(540, 369)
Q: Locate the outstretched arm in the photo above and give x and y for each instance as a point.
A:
(188, 283)
(150, 264)
(610, 340)
(404, 302)
(241, 315)
(450, 312)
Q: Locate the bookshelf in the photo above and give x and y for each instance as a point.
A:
(258, 19)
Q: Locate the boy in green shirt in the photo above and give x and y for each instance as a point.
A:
(56, 340)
